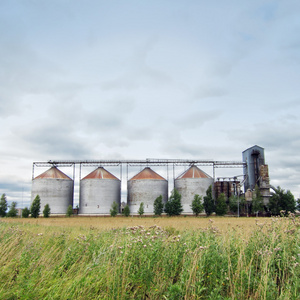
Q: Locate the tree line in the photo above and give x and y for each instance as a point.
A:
(33, 211)
(281, 202)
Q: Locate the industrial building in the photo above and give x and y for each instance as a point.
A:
(99, 189)
(54, 188)
(145, 187)
(192, 182)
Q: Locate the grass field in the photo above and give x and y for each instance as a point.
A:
(150, 258)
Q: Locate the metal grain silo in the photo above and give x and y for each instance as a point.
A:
(98, 191)
(55, 188)
(192, 182)
(145, 187)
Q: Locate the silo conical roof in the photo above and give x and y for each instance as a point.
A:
(147, 173)
(100, 173)
(193, 172)
(53, 173)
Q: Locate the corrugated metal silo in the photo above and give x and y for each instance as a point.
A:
(145, 187)
(98, 191)
(254, 157)
(55, 188)
(191, 182)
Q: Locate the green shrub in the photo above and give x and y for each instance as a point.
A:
(158, 206)
(221, 206)
(197, 206)
(25, 212)
(208, 202)
(233, 204)
(12, 213)
(280, 201)
(114, 209)
(141, 209)
(69, 212)
(257, 201)
(35, 207)
(46, 211)
(126, 211)
(3, 205)
(173, 206)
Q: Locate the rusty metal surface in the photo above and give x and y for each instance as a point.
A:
(147, 173)
(264, 173)
(194, 172)
(100, 173)
(248, 195)
(225, 187)
(53, 173)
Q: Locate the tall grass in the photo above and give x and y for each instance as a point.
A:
(150, 262)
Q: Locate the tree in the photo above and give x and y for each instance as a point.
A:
(197, 206)
(46, 211)
(13, 212)
(69, 212)
(233, 204)
(173, 206)
(208, 202)
(141, 209)
(25, 212)
(282, 201)
(298, 204)
(242, 205)
(114, 209)
(158, 206)
(3, 205)
(257, 202)
(126, 211)
(221, 206)
(35, 207)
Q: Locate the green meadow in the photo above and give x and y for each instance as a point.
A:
(150, 258)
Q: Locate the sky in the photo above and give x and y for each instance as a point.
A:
(148, 79)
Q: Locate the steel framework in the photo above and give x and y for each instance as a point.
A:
(147, 162)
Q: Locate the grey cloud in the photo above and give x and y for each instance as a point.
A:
(210, 92)
(139, 72)
(138, 78)
(281, 141)
(286, 105)
(198, 119)
(11, 186)
(121, 83)
(102, 121)
(139, 134)
(53, 140)
(15, 191)
(220, 68)
(274, 134)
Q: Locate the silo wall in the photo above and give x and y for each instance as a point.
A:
(98, 195)
(58, 193)
(189, 187)
(146, 191)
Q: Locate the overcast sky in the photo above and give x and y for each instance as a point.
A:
(139, 79)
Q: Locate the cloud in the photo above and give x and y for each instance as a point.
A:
(51, 140)
(149, 80)
(280, 139)
(197, 119)
(210, 92)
